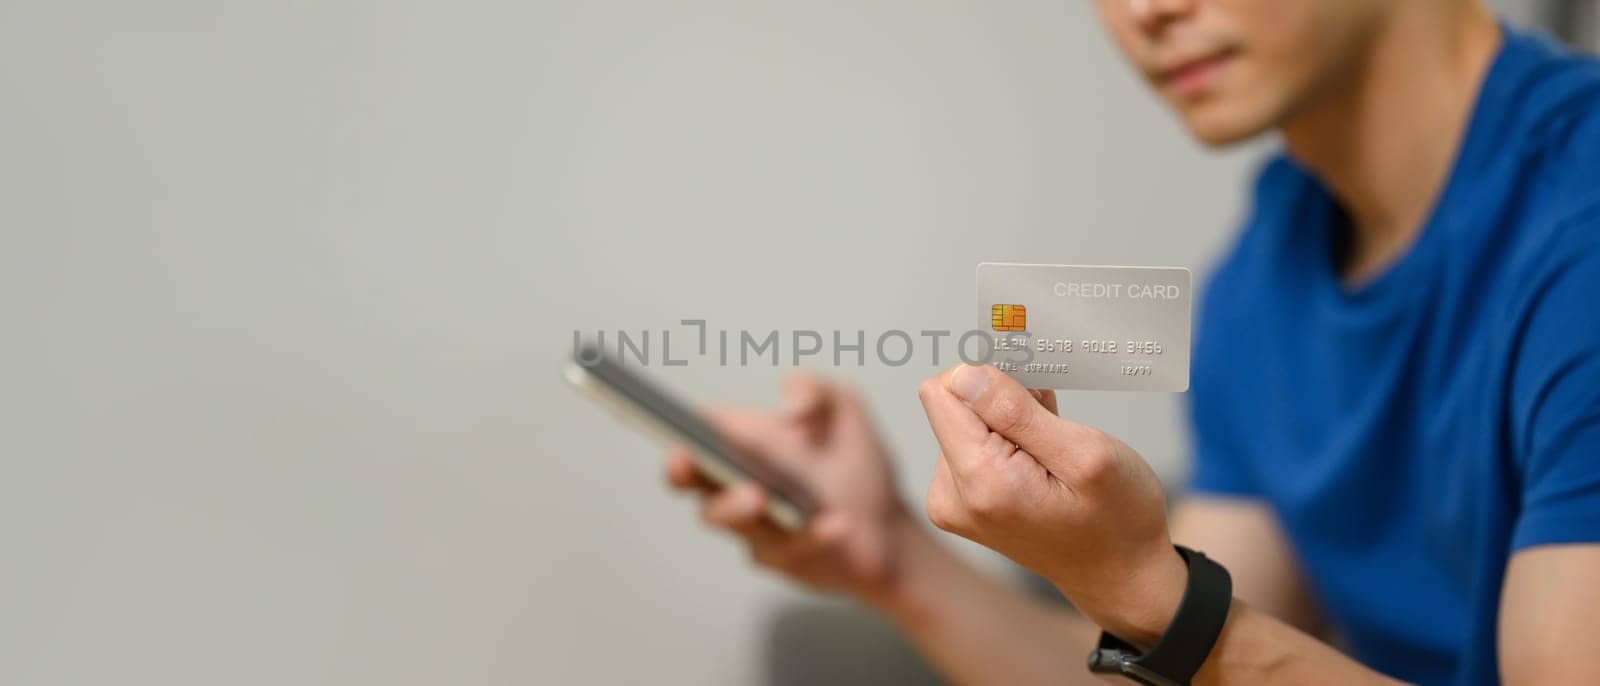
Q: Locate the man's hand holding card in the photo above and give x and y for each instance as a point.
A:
(1071, 503)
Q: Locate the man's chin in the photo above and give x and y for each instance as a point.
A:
(1215, 127)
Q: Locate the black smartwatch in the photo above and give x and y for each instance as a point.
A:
(1188, 640)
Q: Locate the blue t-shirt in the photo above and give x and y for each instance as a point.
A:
(1414, 432)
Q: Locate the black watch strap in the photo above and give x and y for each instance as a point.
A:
(1188, 640)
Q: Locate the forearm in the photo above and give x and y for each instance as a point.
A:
(976, 630)
(1255, 648)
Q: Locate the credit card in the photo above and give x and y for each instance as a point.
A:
(1087, 327)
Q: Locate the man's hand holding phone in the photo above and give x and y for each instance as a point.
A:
(823, 436)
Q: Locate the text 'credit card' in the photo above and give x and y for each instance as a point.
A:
(1088, 327)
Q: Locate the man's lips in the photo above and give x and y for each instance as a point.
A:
(1190, 77)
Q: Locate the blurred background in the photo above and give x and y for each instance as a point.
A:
(286, 288)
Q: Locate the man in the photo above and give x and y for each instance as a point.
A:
(1395, 399)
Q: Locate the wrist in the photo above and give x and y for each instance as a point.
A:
(909, 590)
(1141, 608)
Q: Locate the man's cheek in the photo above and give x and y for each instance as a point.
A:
(1129, 41)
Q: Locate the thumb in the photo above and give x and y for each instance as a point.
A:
(1012, 411)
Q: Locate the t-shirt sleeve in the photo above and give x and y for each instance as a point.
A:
(1556, 402)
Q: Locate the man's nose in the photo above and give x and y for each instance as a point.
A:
(1152, 14)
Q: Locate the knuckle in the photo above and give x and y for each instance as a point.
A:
(926, 390)
(942, 515)
(936, 517)
(1010, 414)
(773, 554)
(1096, 467)
(762, 556)
(985, 501)
(716, 512)
(1100, 440)
(996, 447)
(708, 516)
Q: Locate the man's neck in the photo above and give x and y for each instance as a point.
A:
(1384, 140)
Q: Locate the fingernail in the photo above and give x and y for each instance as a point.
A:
(969, 381)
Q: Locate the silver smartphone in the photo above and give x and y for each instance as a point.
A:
(640, 403)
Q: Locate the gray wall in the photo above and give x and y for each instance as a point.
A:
(286, 286)
(1577, 21)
